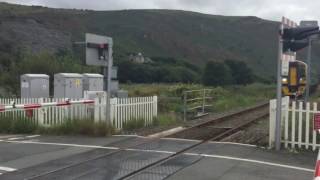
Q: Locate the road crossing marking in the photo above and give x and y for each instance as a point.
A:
(33, 136)
(16, 137)
(133, 135)
(7, 169)
(252, 161)
(232, 143)
(169, 152)
(63, 144)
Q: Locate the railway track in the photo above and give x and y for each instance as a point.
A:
(220, 128)
(213, 130)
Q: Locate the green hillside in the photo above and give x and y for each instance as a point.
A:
(193, 37)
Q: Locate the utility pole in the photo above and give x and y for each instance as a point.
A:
(309, 55)
(279, 92)
(308, 70)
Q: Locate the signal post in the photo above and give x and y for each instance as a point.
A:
(291, 39)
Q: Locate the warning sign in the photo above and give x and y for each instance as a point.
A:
(316, 121)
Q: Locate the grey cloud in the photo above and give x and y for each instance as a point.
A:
(269, 9)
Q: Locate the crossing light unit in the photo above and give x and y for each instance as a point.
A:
(295, 38)
(98, 50)
(101, 48)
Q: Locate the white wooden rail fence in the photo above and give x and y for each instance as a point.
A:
(296, 124)
(122, 110)
(125, 109)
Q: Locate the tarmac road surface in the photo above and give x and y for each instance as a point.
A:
(66, 157)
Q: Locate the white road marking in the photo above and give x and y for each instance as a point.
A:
(33, 136)
(152, 151)
(232, 143)
(63, 144)
(252, 161)
(17, 138)
(170, 152)
(8, 169)
(180, 139)
(120, 135)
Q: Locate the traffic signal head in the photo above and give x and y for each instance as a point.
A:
(299, 33)
(294, 46)
(293, 38)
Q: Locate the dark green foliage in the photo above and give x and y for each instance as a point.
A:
(216, 74)
(168, 70)
(241, 73)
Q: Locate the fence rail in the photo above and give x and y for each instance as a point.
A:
(296, 124)
(122, 110)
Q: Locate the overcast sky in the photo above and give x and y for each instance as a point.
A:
(268, 9)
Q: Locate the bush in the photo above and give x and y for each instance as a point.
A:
(216, 74)
(241, 73)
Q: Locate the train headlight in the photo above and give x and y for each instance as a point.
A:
(284, 80)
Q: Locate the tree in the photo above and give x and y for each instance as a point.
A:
(216, 74)
(241, 73)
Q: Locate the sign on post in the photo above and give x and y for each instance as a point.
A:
(285, 67)
(316, 121)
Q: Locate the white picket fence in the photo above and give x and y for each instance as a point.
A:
(126, 109)
(296, 124)
(121, 110)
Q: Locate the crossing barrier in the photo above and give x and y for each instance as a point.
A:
(51, 112)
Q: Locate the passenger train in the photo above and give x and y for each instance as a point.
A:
(294, 85)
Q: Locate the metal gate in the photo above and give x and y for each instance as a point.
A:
(196, 103)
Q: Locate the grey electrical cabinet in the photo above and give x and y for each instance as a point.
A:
(92, 82)
(114, 72)
(68, 85)
(34, 86)
(114, 86)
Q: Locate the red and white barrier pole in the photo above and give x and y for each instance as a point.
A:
(4, 108)
(317, 169)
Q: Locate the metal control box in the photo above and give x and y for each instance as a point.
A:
(114, 72)
(68, 85)
(92, 82)
(114, 86)
(34, 86)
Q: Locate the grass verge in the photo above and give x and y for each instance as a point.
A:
(19, 125)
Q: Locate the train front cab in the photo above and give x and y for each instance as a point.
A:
(294, 84)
